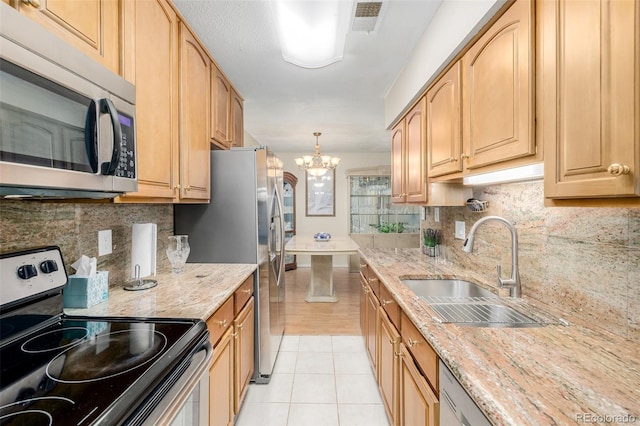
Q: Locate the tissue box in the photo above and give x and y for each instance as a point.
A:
(84, 292)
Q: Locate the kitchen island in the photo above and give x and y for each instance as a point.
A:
(552, 375)
(196, 293)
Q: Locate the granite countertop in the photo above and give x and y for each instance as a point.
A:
(196, 293)
(552, 375)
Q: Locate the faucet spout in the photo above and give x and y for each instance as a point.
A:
(513, 283)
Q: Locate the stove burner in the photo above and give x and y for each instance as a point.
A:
(56, 339)
(107, 355)
(28, 417)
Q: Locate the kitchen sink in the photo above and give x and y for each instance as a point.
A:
(464, 303)
(447, 288)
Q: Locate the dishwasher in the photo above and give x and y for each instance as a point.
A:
(456, 406)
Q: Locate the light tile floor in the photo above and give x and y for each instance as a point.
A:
(317, 381)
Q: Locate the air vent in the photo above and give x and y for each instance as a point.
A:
(366, 16)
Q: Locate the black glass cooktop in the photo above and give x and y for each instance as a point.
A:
(81, 371)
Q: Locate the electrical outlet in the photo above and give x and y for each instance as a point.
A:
(104, 242)
(436, 214)
(460, 230)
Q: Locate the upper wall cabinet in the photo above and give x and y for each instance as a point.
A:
(220, 109)
(589, 83)
(237, 119)
(444, 122)
(93, 28)
(498, 91)
(150, 50)
(408, 151)
(194, 119)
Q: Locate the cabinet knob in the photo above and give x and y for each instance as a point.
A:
(618, 169)
(176, 187)
(453, 159)
(187, 188)
(247, 291)
(386, 302)
(411, 343)
(34, 3)
(222, 323)
(463, 156)
(372, 279)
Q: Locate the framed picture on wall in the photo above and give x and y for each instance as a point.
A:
(320, 193)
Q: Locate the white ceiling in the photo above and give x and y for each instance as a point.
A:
(285, 104)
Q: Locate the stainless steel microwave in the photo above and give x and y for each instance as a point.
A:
(67, 123)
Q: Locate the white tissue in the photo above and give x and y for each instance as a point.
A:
(85, 266)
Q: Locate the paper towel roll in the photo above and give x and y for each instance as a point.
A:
(144, 240)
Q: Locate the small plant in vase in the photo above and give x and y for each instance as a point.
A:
(430, 240)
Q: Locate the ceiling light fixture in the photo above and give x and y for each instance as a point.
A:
(312, 34)
(317, 164)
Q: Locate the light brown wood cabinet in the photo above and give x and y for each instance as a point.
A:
(498, 91)
(389, 370)
(589, 86)
(150, 48)
(220, 108)
(405, 364)
(244, 342)
(444, 124)
(231, 330)
(418, 405)
(408, 157)
(93, 28)
(237, 119)
(194, 119)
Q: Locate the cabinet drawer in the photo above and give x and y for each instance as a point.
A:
(242, 294)
(374, 282)
(220, 321)
(423, 354)
(390, 306)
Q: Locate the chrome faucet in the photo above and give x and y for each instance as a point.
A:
(512, 283)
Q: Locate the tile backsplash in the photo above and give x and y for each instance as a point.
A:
(74, 227)
(582, 261)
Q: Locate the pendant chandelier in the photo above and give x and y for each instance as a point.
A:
(317, 164)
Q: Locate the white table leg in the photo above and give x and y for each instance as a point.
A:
(321, 283)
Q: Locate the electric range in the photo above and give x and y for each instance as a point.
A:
(58, 369)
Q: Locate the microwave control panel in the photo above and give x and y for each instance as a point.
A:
(127, 166)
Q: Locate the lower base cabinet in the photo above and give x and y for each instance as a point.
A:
(389, 369)
(231, 333)
(418, 404)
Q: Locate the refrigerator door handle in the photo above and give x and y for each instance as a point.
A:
(282, 239)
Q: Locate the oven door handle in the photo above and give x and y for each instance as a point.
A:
(175, 398)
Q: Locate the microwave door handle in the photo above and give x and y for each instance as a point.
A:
(106, 106)
(91, 135)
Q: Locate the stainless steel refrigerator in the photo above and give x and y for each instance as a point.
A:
(243, 224)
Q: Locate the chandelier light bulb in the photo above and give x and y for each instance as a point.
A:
(317, 164)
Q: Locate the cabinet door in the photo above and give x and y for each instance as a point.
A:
(416, 154)
(444, 119)
(220, 105)
(151, 62)
(194, 119)
(397, 163)
(92, 26)
(418, 405)
(237, 119)
(244, 344)
(498, 90)
(221, 382)
(372, 328)
(389, 367)
(590, 80)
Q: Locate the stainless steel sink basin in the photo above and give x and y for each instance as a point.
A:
(446, 288)
(464, 303)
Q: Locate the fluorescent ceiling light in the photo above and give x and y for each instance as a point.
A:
(529, 172)
(312, 34)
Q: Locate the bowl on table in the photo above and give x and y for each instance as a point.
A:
(322, 236)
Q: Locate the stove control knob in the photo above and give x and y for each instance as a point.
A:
(49, 266)
(27, 271)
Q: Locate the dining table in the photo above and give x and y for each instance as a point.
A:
(320, 287)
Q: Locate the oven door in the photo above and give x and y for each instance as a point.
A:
(187, 402)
